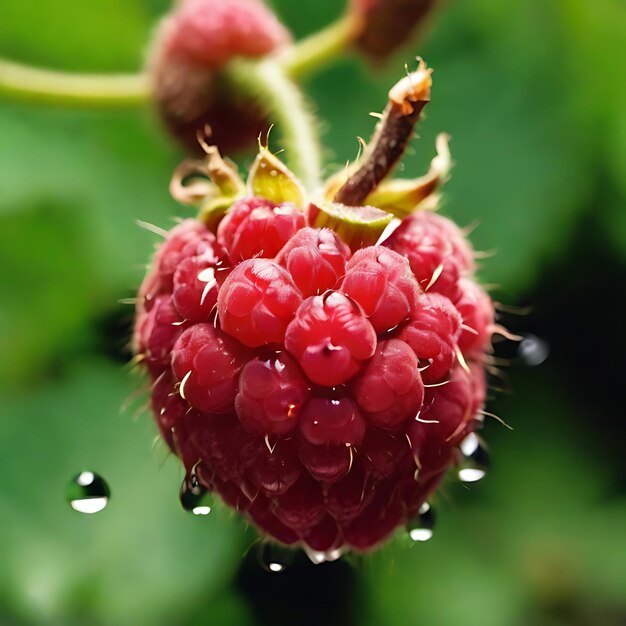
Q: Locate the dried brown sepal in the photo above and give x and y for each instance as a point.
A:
(393, 132)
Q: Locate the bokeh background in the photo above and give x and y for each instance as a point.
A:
(533, 94)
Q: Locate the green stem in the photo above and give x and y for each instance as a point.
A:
(314, 52)
(24, 83)
(267, 83)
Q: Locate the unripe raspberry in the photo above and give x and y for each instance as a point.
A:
(332, 421)
(272, 392)
(330, 337)
(255, 227)
(315, 258)
(432, 333)
(389, 388)
(386, 24)
(192, 45)
(380, 280)
(436, 249)
(207, 363)
(257, 302)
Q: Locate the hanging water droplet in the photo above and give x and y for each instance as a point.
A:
(421, 527)
(274, 558)
(533, 350)
(194, 497)
(87, 493)
(316, 557)
(475, 461)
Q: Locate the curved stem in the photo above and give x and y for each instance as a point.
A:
(317, 50)
(267, 83)
(24, 83)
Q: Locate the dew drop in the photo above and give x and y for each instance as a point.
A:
(533, 350)
(274, 558)
(194, 497)
(316, 557)
(88, 493)
(421, 527)
(475, 461)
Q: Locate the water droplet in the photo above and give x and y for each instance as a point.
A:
(88, 493)
(533, 350)
(194, 497)
(316, 557)
(274, 558)
(475, 461)
(421, 527)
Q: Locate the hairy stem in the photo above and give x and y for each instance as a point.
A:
(268, 84)
(24, 83)
(393, 132)
(318, 50)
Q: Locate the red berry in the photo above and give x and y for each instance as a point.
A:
(276, 468)
(256, 227)
(256, 302)
(333, 421)
(326, 463)
(389, 388)
(432, 333)
(380, 280)
(315, 258)
(207, 363)
(330, 337)
(272, 392)
(436, 249)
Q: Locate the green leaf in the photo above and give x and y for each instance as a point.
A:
(142, 559)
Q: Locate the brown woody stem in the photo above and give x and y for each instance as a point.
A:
(407, 98)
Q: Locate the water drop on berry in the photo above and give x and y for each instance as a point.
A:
(194, 497)
(274, 558)
(475, 461)
(421, 527)
(317, 558)
(88, 493)
(533, 350)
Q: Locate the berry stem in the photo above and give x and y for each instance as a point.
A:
(268, 83)
(319, 49)
(30, 84)
(393, 132)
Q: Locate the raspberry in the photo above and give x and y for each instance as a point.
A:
(436, 249)
(320, 383)
(315, 258)
(255, 227)
(271, 394)
(193, 43)
(389, 388)
(330, 337)
(381, 282)
(256, 302)
(432, 333)
(206, 363)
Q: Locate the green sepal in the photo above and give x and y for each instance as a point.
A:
(357, 226)
(270, 178)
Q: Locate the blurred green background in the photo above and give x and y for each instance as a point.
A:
(533, 95)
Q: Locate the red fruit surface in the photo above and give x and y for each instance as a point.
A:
(330, 337)
(255, 227)
(315, 258)
(380, 280)
(436, 249)
(272, 392)
(207, 363)
(389, 388)
(321, 395)
(256, 303)
(432, 333)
